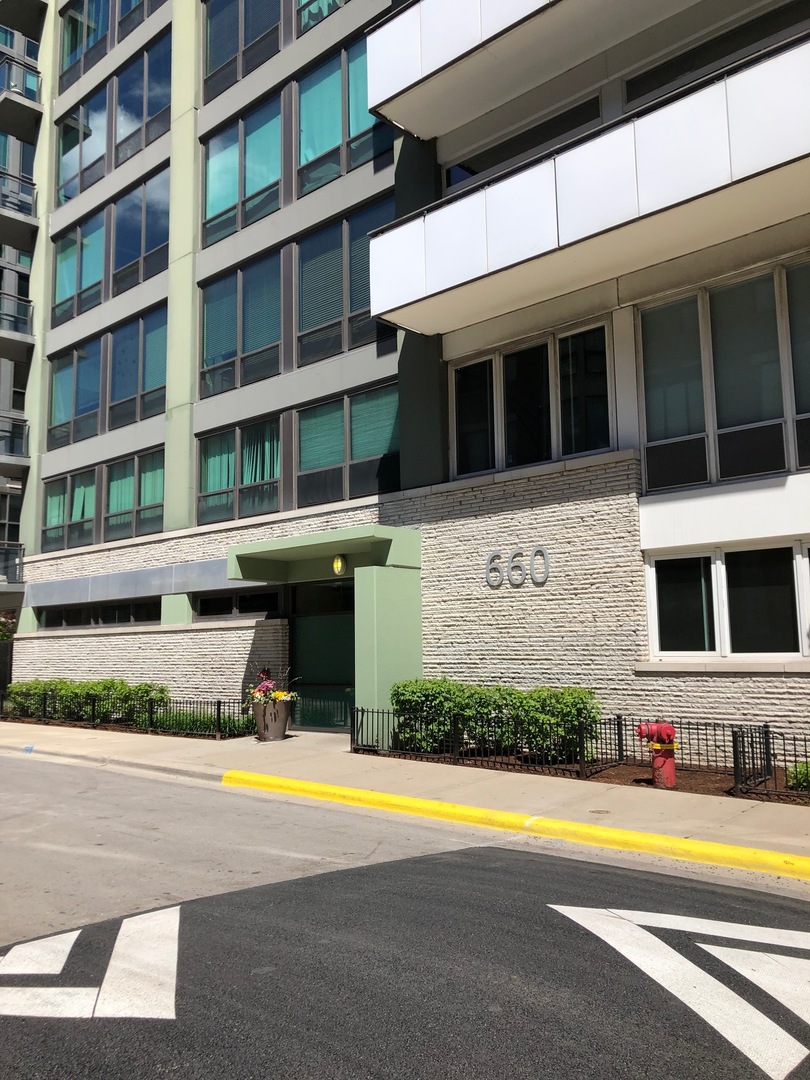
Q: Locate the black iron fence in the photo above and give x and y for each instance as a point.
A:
(755, 759)
(220, 719)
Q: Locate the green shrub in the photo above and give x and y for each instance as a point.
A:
(798, 776)
(492, 719)
(99, 700)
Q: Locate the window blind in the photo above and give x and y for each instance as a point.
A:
(221, 33)
(261, 304)
(320, 278)
(360, 225)
(154, 349)
(374, 423)
(263, 147)
(219, 321)
(321, 437)
(260, 16)
(320, 111)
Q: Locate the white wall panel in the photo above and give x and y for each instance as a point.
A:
(496, 15)
(449, 29)
(394, 56)
(456, 243)
(521, 216)
(769, 112)
(682, 150)
(761, 509)
(397, 270)
(596, 185)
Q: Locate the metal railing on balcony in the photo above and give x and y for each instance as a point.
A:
(11, 564)
(19, 79)
(13, 436)
(16, 314)
(17, 194)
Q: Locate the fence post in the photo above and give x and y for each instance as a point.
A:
(583, 765)
(455, 747)
(620, 738)
(768, 746)
(736, 750)
(150, 714)
(93, 710)
(218, 727)
(44, 706)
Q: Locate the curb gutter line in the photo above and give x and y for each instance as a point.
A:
(669, 847)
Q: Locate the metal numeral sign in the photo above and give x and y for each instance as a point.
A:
(517, 570)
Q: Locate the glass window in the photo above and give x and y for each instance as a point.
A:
(88, 377)
(221, 33)
(685, 605)
(374, 419)
(85, 26)
(239, 36)
(260, 460)
(527, 406)
(75, 392)
(475, 435)
(66, 267)
(310, 12)
(154, 355)
(157, 212)
(673, 377)
(220, 313)
(320, 112)
(584, 413)
(217, 478)
(129, 111)
(55, 515)
(81, 509)
(124, 362)
(159, 81)
(92, 252)
(321, 442)
(61, 390)
(222, 172)
(320, 278)
(3, 150)
(134, 496)
(360, 119)
(798, 285)
(128, 229)
(6, 37)
(762, 601)
(261, 304)
(141, 231)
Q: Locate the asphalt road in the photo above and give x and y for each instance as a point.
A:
(440, 959)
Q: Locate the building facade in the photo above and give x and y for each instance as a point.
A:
(460, 338)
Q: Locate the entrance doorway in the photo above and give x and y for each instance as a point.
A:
(322, 654)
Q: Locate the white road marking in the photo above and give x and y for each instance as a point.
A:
(792, 939)
(44, 957)
(53, 1003)
(786, 978)
(142, 974)
(761, 1040)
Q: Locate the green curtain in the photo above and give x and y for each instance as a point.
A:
(320, 278)
(154, 349)
(375, 423)
(217, 462)
(92, 252)
(121, 486)
(260, 452)
(360, 119)
(66, 261)
(263, 147)
(360, 225)
(55, 503)
(222, 171)
(320, 437)
(150, 479)
(219, 321)
(83, 501)
(320, 111)
(61, 390)
(261, 303)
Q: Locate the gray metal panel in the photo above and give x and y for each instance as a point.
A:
(57, 593)
(325, 379)
(153, 581)
(122, 442)
(101, 318)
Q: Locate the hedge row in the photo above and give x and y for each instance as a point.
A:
(436, 713)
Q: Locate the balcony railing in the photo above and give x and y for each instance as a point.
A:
(17, 194)
(16, 314)
(19, 79)
(13, 436)
(11, 564)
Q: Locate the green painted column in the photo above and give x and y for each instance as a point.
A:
(27, 623)
(387, 631)
(184, 221)
(176, 610)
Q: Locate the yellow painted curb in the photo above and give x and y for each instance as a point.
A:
(669, 847)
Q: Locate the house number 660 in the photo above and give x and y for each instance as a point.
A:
(517, 571)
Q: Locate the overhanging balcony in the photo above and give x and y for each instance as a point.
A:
(16, 328)
(719, 163)
(20, 101)
(18, 209)
(12, 574)
(24, 16)
(438, 64)
(14, 456)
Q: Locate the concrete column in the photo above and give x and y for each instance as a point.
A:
(176, 610)
(624, 366)
(387, 631)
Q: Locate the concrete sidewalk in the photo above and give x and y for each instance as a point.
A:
(324, 759)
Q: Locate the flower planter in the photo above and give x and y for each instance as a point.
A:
(271, 719)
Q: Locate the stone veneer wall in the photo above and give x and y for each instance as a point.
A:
(585, 626)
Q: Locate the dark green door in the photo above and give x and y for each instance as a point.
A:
(323, 654)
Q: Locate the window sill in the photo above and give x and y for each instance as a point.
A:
(723, 667)
(147, 628)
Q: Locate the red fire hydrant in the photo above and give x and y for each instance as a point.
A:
(662, 746)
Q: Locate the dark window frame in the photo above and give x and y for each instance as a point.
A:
(54, 619)
(248, 57)
(238, 490)
(145, 403)
(90, 173)
(82, 299)
(149, 263)
(150, 128)
(235, 611)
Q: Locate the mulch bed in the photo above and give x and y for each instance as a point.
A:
(701, 782)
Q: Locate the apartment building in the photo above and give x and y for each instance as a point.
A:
(546, 426)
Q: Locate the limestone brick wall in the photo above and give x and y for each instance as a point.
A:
(195, 662)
